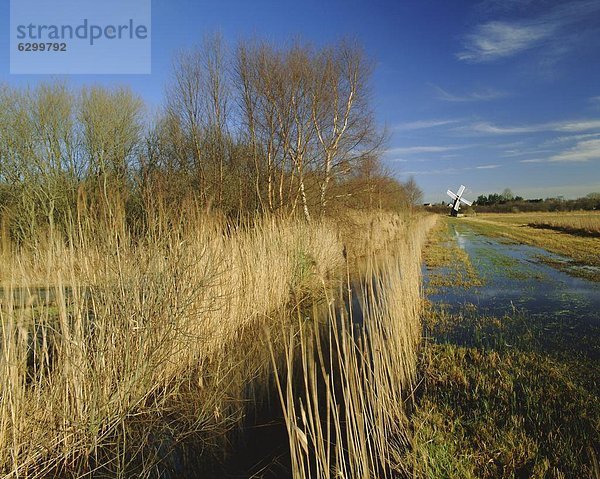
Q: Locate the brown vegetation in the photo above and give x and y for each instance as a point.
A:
(270, 130)
(149, 350)
(154, 268)
(579, 224)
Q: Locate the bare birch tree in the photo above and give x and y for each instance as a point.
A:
(340, 112)
(217, 91)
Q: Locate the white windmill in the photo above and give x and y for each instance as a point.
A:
(458, 199)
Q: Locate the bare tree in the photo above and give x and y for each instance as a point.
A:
(307, 117)
(340, 112)
(286, 130)
(38, 152)
(414, 194)
(112, 125)
(261, 82)
(185, 109)
(245, 84)
(303, 137)
(217, 90)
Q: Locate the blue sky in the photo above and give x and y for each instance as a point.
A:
(490, 94)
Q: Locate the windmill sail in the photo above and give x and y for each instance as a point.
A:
(458, 199)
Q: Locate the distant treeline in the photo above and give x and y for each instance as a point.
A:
(505, 203)
(258, 128)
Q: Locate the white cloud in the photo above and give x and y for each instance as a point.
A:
(487, 167)
(567, 138)
(486, 94)
(584, 151)
(512, 144)
(534, 160)
(515, 153)
(409, 150)
(566, 126)
(494, 40)
(579, 126)
(421, 124)
(485, 127)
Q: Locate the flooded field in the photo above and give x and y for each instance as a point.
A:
(510, 362)
(518, 277)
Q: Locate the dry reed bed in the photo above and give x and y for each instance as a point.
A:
(568, 221)
(343, 388)
(152, 343)
(584, 224)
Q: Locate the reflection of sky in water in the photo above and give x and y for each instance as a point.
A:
(460, 239)
(514, 278)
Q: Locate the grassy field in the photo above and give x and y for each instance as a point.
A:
(499, 399)
(571, 234)
(153, 350)
(503, 397)
(583, 224)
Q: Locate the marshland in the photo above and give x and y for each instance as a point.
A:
(509, 365)
(233, 285)
(172, 283)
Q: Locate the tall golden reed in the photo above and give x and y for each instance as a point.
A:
(117, 351)
(344, 383)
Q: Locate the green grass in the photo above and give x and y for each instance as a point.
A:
(488, 414)
(506, 265)
(504, 397)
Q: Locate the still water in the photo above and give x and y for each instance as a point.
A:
(516, 278)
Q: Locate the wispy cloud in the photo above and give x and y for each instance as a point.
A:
(486, 94)
(568, 138)
(573, 126)
(578, 125)
(422, 124)
(495, 40)
(502, 39)
(533, 160)
(409, 150)
(487, 167)
(515, 153)
(512, 144)
(584, 151)
(485, 127)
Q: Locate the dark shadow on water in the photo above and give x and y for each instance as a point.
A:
(261, 447)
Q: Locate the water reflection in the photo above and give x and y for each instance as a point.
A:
(514, 277)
